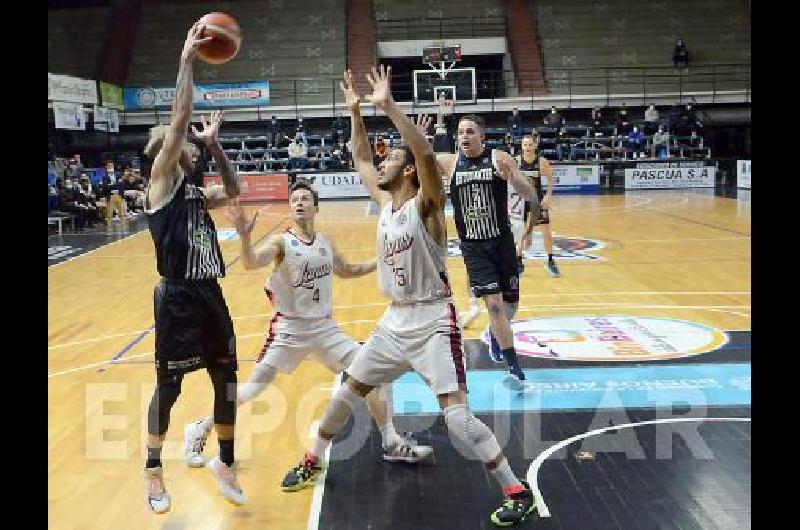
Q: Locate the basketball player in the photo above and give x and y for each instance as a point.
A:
(479, 193)
(193, 326)
(300, 288)
(533, 166)
(418, 331)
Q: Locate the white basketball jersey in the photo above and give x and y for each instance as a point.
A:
(411, 265)
(301, 285)
(516, 205)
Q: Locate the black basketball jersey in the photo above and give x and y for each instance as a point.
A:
(531, 169)
(185, 236)
(480, 198)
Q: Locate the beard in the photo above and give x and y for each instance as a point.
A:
(389, 184)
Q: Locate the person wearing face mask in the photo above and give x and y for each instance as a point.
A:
(636, 142)
(660, 147)
(553, 119)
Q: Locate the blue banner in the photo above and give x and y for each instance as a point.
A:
(253, 94)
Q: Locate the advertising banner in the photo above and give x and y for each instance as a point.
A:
(575, 179)
(251, 94)
(258, 187)
(112, 96)
(106, 119)
(69, 116)
(336, 185)
(743, 174)
(670, 175)
(73, 89)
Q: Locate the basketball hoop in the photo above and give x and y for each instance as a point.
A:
(445, 56)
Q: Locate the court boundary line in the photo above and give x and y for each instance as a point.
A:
(96, 249)
(532, 476)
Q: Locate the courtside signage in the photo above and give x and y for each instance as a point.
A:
(669, 175)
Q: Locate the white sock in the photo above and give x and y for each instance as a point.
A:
(389, 435)
(320, 446)
(505, 476)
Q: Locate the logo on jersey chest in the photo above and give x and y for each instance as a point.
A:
(477, 175)
(395, 247)
(310, 273)
(201, 238)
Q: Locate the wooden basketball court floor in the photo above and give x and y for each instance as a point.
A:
(663, 256)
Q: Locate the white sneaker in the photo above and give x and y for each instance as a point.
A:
(194, 440)
(512, 382)
(227, 481)
(408, 450)
(466, 319)
(155, 491)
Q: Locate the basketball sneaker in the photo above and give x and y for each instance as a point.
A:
(227, 481)
(514, 508)
(304, 474)
(195, 436)
(552, 268)
(408, 450)
(513, 382)
(157, 496)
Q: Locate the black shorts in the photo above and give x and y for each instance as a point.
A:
(194, 329)
(492, 266)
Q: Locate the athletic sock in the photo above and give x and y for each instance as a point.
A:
(153, 457)
(506, 478)
(549, 257)
(226, 452)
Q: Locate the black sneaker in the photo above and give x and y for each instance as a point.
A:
(305, 474)
(552, 268)
(515, 508)
(520, 265)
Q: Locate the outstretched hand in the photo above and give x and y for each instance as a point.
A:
(235, 212)
(381, 86)
(194, 39)
(422, 123)
(351, 98)
(210, 128)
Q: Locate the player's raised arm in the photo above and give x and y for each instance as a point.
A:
(344, 269)
(413, 137)
(215, 194)
(251, 258)
(175, 136)
(362, 153)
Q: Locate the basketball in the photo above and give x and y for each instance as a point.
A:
(227, 38)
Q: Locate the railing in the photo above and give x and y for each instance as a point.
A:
(440, 28)
(568, 86)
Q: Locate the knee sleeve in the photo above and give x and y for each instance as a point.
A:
(472, 431)
(224, 381)
(511, 297)
(342, 403)
(259, 380)
(166, 393)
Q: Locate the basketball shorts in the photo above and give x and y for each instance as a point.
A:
(517, 230)
(543, 218)
(291, 340)
(424, 338)
(492, 266)
(193, 327)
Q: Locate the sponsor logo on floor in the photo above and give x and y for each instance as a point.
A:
(227, 234)
(653, 386)
(612, 338)
(60, 251)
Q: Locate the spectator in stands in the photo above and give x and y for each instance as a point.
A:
(515, 127)
(680, 55)
(74, 168)
(597, 117)
(68, 202)
(340, 130)
(380, 151)
(651, 114)
(554, 118)
(132, 192)
(295, 155)
(660, 148)
(339, 158)
(273, 133)
(563, 141)
(110, 201)
(88, 199)
(623, 120)
(300, 131)
(636, 142)
(689, 118)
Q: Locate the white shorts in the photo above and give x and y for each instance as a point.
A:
(518, 230)
(292, 340)
(424, 338)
